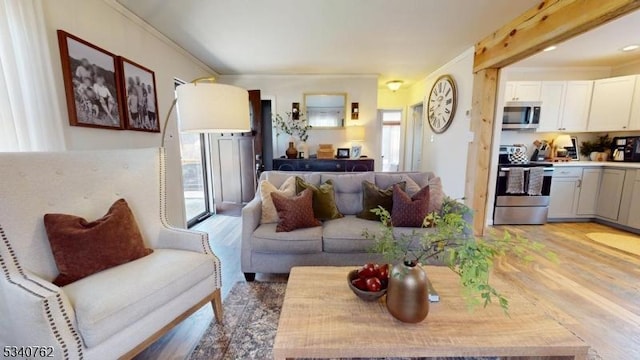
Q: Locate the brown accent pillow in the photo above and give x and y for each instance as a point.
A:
(295, 213)
(373, 196)
(82, 248)
(324, 199)
(409, 211)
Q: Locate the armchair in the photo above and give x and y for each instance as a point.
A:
(115, 313)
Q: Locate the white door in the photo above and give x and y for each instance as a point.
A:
(576, 105)
(611, 104)
(552, 97)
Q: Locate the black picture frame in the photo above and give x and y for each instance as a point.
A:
(573, 151)
(343, 153)
(139, 94)
(92, 83)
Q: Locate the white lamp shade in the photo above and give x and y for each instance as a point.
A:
(355, 133)
(212, 107)
(563, 141)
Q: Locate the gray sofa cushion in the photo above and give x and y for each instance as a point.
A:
(345, 235)
(277, 178)
(300, 241)
(384, 180)
(348, 188)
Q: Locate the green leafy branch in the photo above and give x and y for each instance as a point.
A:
(450, 240)
(297, 128)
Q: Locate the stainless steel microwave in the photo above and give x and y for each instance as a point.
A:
(521, 115)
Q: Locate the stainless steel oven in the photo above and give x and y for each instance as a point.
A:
(521, 205)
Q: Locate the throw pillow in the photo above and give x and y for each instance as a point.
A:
(373, 196)
(296, 212)
(436, 194)
(409, 211)
(269, 213)
(324, 199)
(81, 248)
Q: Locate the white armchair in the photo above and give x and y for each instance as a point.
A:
(115, 313)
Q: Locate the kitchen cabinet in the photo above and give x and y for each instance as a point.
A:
(634, 206)
(522, 91)
(634, 121)
(552, 95)
(577, 101)
(611, 104)
(565, 192)
(589, 186)
(608, 205)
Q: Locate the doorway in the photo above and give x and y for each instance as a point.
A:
(391, 138)
(415, 134)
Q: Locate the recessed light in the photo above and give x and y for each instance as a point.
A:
(550, 48)
(630, 47)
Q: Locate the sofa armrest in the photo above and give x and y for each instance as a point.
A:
(251, 215)
(37, 312)
(181, 239)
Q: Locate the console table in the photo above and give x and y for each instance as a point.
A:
(326, 165)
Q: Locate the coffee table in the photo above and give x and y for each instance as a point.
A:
(322, 318)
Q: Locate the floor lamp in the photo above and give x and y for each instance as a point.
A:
(208, 107)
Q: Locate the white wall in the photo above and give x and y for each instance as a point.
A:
(287, 89)
(446, 154)
(110, 26)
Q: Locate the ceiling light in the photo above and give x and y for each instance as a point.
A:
(630, 47)
(394, 85)
(550, 48)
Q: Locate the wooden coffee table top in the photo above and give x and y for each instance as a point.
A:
(322, 318)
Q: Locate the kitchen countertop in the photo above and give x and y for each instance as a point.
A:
(616, 164)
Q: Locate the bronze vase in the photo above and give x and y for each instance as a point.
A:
(408, 293)
(292, 152)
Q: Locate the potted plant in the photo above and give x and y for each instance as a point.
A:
(295, 129)
(597, 150)
(452, 243)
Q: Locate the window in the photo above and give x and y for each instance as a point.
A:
(195, 180)
(391, 120)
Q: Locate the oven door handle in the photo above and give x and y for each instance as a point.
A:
(506, 169)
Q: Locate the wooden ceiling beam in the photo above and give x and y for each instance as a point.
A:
(549, 23)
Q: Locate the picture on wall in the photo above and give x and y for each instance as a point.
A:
(141, 105)
(92, 83)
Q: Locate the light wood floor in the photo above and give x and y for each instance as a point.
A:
(593, 290)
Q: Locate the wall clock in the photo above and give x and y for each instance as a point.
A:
(442, 103)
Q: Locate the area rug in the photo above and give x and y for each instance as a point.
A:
(250, 322)
(627, 243)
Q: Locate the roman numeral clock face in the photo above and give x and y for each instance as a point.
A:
(442, 104)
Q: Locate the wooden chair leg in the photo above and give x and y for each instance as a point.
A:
(216, 303)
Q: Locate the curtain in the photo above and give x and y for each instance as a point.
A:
(30, 116)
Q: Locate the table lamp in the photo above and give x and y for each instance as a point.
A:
(357, 135)
(562, 142)
(207, 107)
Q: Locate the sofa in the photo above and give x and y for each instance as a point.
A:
(114, 313)
(337, 242)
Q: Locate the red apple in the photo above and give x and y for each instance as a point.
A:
(359, 283)
(367, 271)
(383, 272)
(373, 284)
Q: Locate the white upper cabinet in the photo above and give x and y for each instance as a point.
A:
(565, 105)
(552, 95)
(522, 91)
(577, 100)
(634, 121)
(611, 104)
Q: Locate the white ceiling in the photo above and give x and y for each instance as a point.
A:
(399, 39)
(598, 47)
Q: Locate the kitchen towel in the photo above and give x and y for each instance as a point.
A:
(515, 181)
(536, 175)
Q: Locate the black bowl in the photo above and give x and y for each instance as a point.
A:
(364, 295)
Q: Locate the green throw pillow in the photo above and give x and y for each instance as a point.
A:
(373, 196)
(324, 199)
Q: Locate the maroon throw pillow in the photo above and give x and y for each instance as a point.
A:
(296, 212)
(409, 211)
(81, 248)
